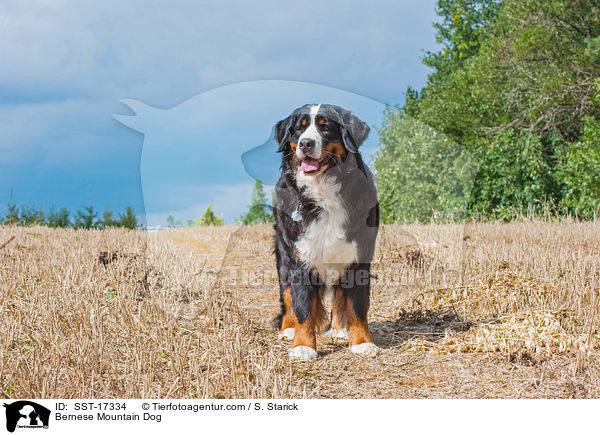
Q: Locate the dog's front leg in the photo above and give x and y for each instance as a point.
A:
(308, 310)
(357, 287)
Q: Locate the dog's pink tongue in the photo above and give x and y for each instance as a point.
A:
(309, 165)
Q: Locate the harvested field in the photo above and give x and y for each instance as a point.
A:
(476, 311)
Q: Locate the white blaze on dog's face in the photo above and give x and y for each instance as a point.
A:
(310, 135)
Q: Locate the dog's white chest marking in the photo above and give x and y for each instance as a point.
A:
(323, 246)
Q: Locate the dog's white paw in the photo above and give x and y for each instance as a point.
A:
(336, 333)
(303, 353)
(365, 349)
(287, 334)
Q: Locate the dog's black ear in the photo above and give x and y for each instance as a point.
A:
(354, 131)
(283, 132)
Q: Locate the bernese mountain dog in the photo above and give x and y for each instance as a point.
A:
(326, 221)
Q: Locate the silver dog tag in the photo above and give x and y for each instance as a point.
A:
(296, 216)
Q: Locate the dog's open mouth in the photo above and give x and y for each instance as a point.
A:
(310, 165)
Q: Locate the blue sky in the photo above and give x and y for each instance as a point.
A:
(67, 65)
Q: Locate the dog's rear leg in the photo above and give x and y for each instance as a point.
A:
(339, 321)
(285, 321)
(287, 329)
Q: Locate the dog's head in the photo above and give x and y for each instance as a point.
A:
(315, 136)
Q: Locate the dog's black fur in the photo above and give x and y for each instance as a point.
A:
(358, 194)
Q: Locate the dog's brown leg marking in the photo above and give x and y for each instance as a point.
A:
(358, 329)
(338, 309)
(306, 332)
(289, 319)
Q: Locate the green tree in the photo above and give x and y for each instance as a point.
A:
(258, 211)
(209, 218)
(31, 216)
(446, 102)
(515, 84)
(11, 216)
(128, 219)
(172, 223)
(58, 218)
(579, 173)
(108, 220)
(420, 173)
(463, 27)
(514, 173)
(86, 218)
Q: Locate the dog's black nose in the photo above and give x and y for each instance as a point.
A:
(307, 145)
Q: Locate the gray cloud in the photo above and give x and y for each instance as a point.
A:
(66, 65)
(165, 52)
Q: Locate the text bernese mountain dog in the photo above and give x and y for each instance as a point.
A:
(326, 221)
